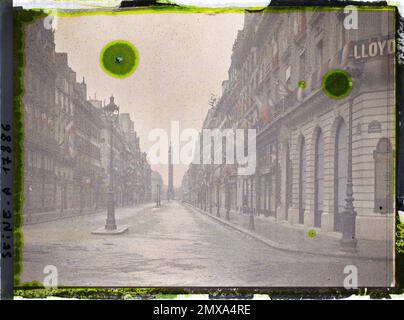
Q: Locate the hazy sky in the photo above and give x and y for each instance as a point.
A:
(183, 59)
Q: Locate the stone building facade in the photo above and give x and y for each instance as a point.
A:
(132, 171)
(66, 143)
(157, 186)
(88, 170)
(41, 146)
(65, 135)
(275, 87)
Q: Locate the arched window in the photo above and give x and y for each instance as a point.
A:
(319, 179)
(340, 167)
(266, 195)
(383, 156)
(289, 184)
(302, 181)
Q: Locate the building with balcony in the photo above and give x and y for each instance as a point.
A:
(275, 87)
(67, 140)
(40, 114)
(157, 186)
(88, 173)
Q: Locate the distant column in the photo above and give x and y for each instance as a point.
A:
(170, 191)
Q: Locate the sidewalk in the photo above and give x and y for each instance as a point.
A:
(42, 217)
(283, 236)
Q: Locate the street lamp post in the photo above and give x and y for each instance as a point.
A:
(251, 222)
(111, 111)
(158, 196)
(204, 196)
(217, 200)
(28, 203)
(210, 196)
(227, 200)
(349, 240)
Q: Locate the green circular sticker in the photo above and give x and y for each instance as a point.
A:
(312, 233)
(302, 84)
(119, 58)
(337, 84)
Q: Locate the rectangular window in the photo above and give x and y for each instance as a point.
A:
(29, 159)
(302, 22)
(343, 36)
(275, 51)
(302, 66)
(288, 73)
(33, 159)
(320, 53)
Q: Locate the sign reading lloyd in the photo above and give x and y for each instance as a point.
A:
(375, 47)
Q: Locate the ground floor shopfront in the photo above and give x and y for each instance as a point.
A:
(56, 194)
(302, 168)
(48, 193)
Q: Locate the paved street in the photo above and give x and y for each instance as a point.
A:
(174, 246)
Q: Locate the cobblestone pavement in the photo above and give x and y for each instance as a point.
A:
(175, 246)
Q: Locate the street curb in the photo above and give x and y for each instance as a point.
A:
(68, 216)
(63, 217)
(278, 246)
(119, 230)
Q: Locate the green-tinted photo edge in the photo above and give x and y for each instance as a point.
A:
(34, 289)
